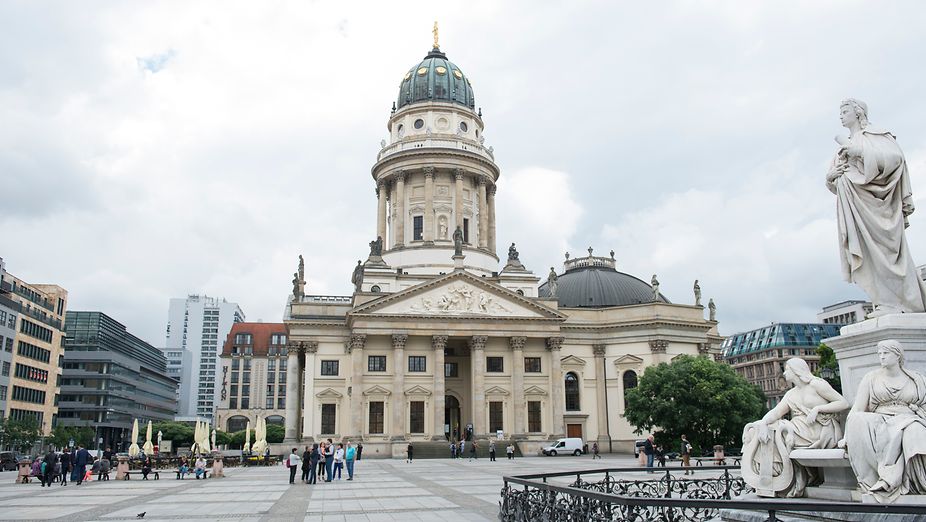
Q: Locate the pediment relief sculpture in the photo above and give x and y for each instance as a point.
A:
(460, 299)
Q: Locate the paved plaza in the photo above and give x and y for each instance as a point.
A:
(444, 489)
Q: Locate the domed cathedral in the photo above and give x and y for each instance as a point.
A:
(440, 341)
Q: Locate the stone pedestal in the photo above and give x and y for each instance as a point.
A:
(122, 468)
(857, 352)
(24, 467)
(458, 262)
(218, 467)
(839, 483)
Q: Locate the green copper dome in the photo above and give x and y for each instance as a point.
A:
(436, 79)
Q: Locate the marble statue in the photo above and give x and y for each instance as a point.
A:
(301, 268)
(697, 293)
(871, 182)
(513, 253)
(458, 242)
(813, 406)
(886, 428)
(297, 286)
(712, 309)
(655, 283)
(567, 256)
(442, 227)
(612, 255)
(552, 282)
(356, 278)
(376, 247)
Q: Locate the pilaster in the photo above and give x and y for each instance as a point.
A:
(517, 385)
(308, 396)
(438, 343)
(401, 209)
(555, 345)
(491, 203)
(604, 432)
(478, 344)
(398, 386)
(428, 235)
(458, 197)
(381, 188)
(355, 348)
(483, 215)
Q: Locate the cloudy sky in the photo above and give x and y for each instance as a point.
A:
(151, 150)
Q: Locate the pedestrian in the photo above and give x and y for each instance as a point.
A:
(81, 459)
(649, 448)
(329, 460)
(267, 457)
(492, 451)
(410, 453)
(145, 469)
(510, 451)
(472, 451)
(313, 464)
(338, 461)
(292, 462)
(321, 461)
(183, 469)
(105, 466)
(462, 448)
(595, 452)
(359, 450)
(65, 466)
(685, 452)
(661, 455)
(453, 449)
(306, 464)
(108, 454)
(349, 457)
(48, 468)
(200, 469)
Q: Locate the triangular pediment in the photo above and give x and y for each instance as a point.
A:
(458, 294)
(628, 360)
(497, 390)
(534, 390)
(377, 390)
(572, 360)
(328, 393)
(417, 390)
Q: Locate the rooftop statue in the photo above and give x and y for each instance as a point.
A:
(886, 429)
(356, 278)
(697, 293)
(301, 268)
(869, 177)
(552, 282)
(512, 253)
(376, 247)
(712, 309)
(458, 242)
(655, 283)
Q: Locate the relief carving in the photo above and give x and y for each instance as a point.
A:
(461, 299)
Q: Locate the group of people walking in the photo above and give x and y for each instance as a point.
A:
(654, 452)
(52, 467)
(325, 460)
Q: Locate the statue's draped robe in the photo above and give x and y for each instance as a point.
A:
(887, 443)
(873, 198)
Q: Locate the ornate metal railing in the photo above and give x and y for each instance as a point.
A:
(601, 495)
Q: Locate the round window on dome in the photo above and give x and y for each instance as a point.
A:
(463, 126)
(422, 71)
(458, 74)
(419, 123)
(441, 70)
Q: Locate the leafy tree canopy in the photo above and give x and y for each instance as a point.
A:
(695, 396)
(19, 435)
(828, 361)
(61, 436)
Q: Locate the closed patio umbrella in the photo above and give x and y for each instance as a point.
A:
(133, 449)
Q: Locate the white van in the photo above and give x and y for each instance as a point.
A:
(564, 447)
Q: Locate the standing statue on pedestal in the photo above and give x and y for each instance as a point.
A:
(869, 176)
(886, 429)
(376, 247)
(552, 282)
(813, 406)
(301, 271)
(458, 242)
(712, 309)
(513, 253)
(697, 293)
(655, 283)
(356, 278)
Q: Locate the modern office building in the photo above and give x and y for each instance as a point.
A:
(253, 380)
(759, 355)
(9, 312)
(195, 326)
(112, 378)
(35, 365)
(846, 312)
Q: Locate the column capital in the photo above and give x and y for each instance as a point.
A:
(398, 341)
(458, 174)
(356, 342)
(517, 343)
(399, 176)
(478, 342)
(555, 344)
(704, 348)
(439, 342)
(599, 349)
(658, 346)
(483, 181)
(428, 172)
(295, 347)
(311, 346)
(490, 190)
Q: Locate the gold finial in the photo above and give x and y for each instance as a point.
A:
(435, 35)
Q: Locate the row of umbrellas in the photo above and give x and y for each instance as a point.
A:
(201, 438)
(148, 447)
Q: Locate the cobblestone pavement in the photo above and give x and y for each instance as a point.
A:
(382, 490)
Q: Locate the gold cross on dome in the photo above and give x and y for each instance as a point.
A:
(435, 35)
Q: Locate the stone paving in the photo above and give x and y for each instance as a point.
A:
(382, 490)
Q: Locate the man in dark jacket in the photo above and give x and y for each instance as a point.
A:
(306, 463)
(314, 457)
(81, 459)
(649, 449)
(51, 458)
(65, 466)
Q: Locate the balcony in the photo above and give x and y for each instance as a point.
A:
(408, 144)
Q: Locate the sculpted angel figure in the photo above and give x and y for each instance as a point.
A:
(871, 182)
(813, 406)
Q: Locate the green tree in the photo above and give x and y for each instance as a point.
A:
(19, 435)
(696, 396)
(828, 362)
(275, 433)
(179, 433)
(61, 436)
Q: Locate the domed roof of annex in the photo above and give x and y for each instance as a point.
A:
(436, 79)
(594, 282)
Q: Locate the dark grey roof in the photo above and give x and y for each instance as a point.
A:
(597, 287)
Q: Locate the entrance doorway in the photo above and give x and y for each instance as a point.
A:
(574, 430)
(452, 417)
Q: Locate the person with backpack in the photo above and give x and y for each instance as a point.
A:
(293, 463)
(685, 453)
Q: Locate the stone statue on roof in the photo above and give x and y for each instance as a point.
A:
(552, 282)
(458, 242)
(655, 283)
(301, 268)
(298, 287)
(376, 247)
(513, 253)
(357, 277)
(697, 293)
(712, 308)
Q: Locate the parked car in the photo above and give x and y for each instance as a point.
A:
(8, 460)
(564, 446)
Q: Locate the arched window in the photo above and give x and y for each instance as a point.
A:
(237, 423)
(572, 392)
(630, 381)
(276, 419)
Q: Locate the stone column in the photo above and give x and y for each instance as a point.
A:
(458, 199)
(517, 385)
(355, 348)
(381, 188)
(438, 343)
(398, 386)
(601, 390)
(477, 345)
(491, 202)
(483, 215)
(391, 215)
(308, 398)
(292, 391)
(400, 209)
(428, 235)
(554, 345)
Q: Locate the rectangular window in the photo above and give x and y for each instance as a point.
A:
(271, 376)
(233, 390)
(31, 374)
(246, 377)
(243, 338)
(269, 403)
(33, 352)
(495, 364)
(236, 364)
(270, 390)
(495, 416)
(234, 377)
(466, 230)
(6, 369)
(278, 339)
(23, 394)
(245, 390)
(281, 403)
(245, 403)
(330, 368)
(416, 417)
(9, 344)
(451, 369)
(532, 364)
(376, 363)
(376, 417)
(533, 416)
(33, 330)
(417, 228)
(281, 390)
(2, 393)
(328, 418)
(417, 363)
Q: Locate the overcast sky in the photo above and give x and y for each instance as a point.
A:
(151, 150)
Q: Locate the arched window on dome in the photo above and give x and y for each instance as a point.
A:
(572, 392)
(630, 382)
